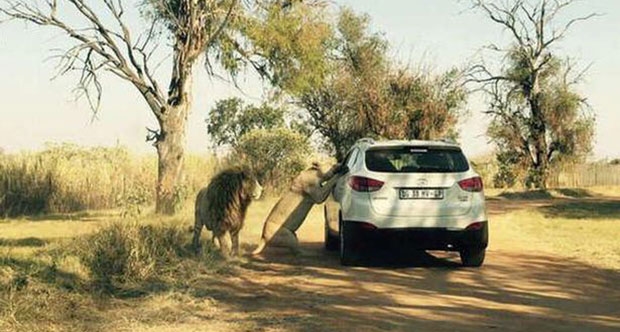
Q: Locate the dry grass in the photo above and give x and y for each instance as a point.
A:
(60, 262)
(610, 191)
(590, 240)
(41, 268)
(68, 178)
(607, 191)
(573, 222)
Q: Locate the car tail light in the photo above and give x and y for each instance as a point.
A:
(475, 226)
(366, 226)
(472, 184)
(360, 183)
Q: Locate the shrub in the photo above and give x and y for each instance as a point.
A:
(130, 252)
(275, 155)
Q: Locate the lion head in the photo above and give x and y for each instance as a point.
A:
(253, 188)
(320, 168)
(226, 198)
(246, 181)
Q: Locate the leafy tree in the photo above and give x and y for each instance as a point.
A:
(538, 120)
(261, 137)
(365, 94)
(230, 119)
(430, 104)
(230, 34)
(289, 42)
(276, 155)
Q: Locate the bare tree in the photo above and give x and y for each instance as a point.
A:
(103, 42)
(536, 116)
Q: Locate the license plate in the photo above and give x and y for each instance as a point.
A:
(421, 193)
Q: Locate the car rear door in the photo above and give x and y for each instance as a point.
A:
(418, 181)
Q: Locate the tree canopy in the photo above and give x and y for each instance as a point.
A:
(538, 119)
(229, 34)
(260, 136)
(230, 119)
(365, 93)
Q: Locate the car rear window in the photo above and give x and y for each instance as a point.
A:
(416, 159)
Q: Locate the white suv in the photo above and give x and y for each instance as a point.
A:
(422, 194)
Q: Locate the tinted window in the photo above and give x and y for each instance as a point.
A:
(415, 159)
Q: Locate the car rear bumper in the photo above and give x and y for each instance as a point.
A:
(360, 210)
(420, 238)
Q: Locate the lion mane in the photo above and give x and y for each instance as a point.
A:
(221, 206)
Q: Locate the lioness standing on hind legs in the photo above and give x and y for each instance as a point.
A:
(311, 186)
(222, 205)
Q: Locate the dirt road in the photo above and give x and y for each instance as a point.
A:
(516, 290)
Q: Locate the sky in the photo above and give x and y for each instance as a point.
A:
(437, 34)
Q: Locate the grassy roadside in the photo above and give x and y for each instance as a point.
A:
(54, 268)
(589, 240)
(41, 269)
(575, 223)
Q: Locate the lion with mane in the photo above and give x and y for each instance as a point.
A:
(221, 207)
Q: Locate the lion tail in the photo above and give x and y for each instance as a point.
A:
(261, 247)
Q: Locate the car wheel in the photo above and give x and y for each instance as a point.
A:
(348, 256)
(473, 257)
(331, 242)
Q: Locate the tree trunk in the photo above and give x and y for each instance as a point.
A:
(538, 175)
(172, 120)
(541, 168)
(171, 155)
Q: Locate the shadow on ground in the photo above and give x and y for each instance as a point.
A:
(583, 209)
(591, 207)
(526, 195)
(512, 291)
(574, 192)
(82, 216)
(23, 242)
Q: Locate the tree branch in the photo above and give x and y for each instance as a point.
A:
(96, 50)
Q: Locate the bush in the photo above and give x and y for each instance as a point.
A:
(275, 155)
(130, 252)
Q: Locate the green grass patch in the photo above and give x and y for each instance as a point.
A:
(591, 240)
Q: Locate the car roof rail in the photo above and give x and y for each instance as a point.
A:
(448, 140)
(366, 140)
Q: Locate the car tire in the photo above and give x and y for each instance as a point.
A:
(332, 243)
(348, 256)
(473, 257)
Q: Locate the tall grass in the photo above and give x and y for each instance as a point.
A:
(26, 185)
(59, 286)
(129, 252)
(68, 178)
